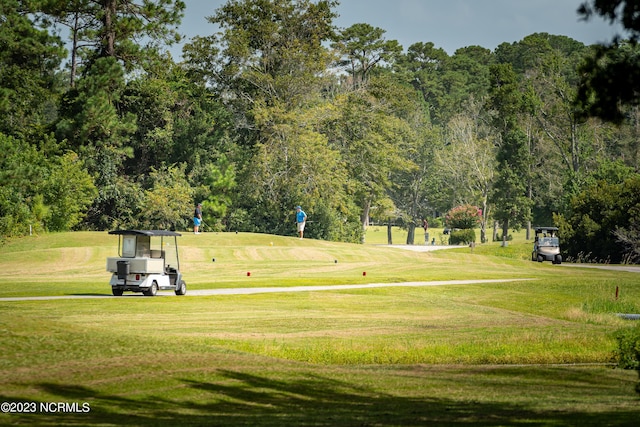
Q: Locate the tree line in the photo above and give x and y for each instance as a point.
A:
(277, 107)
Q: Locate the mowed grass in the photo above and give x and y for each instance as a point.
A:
(74, 263)
(524, 352)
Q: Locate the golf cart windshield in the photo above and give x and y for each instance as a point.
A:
(548, 241)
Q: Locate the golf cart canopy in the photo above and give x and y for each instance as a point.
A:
(545, 229)
(149, 233)
(144, 243)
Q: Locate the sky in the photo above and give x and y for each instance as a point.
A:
(448, 24)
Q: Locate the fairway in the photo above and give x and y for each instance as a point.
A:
(460, 336)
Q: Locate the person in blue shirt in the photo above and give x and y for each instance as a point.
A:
(197, 219)
(301, 219)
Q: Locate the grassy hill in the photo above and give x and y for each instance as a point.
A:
(71, 263)
(529, 351)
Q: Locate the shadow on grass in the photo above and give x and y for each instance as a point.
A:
(242, 399)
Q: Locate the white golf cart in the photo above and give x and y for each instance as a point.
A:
(143, 265)
(546, 246)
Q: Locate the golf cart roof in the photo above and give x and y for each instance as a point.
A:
(145, 233)
(543, 229)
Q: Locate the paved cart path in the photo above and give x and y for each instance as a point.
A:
(627, 268)
(425, 248)
(248, 291)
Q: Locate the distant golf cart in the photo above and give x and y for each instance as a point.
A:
(546, 246)
(143, 265)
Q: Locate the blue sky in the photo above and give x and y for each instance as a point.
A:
(449, 24)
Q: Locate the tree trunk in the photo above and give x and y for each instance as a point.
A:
(411, 233)
(530, 196)
(389, 236)
(505, 233)
(109, 42)
(483, 221)
(74, 50)
(365, 218)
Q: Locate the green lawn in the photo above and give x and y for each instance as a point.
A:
(525, 352)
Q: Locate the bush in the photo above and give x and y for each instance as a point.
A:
(464, 216)
(602, 222)
(628, 353)
(462, 236)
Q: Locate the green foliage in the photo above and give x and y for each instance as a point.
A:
(29, 59)
(89, 113)
(99, 131)
(118, 205)
(596, 217)
(168, 203)
(291, 162)
(435, 222)
(40, 192)
(467, 163)
(370, 139)
(294, 165)
(273, 50)
(363, 48)
(463, 216)
(464, 236)
(69, 191)
(446, 83)
(22, 170)
(627, 354)
(130, 30)
(334, 225)
(152, 101)
(259, 121)
(512, 206)
(628, 351)
(611, 75)
(214, 185)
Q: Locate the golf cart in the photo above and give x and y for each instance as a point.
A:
(546, 246)
(142, 264)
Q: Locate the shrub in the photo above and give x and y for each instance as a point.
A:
(628, 353)
(464, 216)
(462, 236)
(602, 221)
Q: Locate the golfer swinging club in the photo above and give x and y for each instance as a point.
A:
(301, 218)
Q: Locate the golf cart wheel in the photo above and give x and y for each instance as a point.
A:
(182, 288)
(558, 259)
(117, 292)
(540, 258)
(533, 256)
(152, 291)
